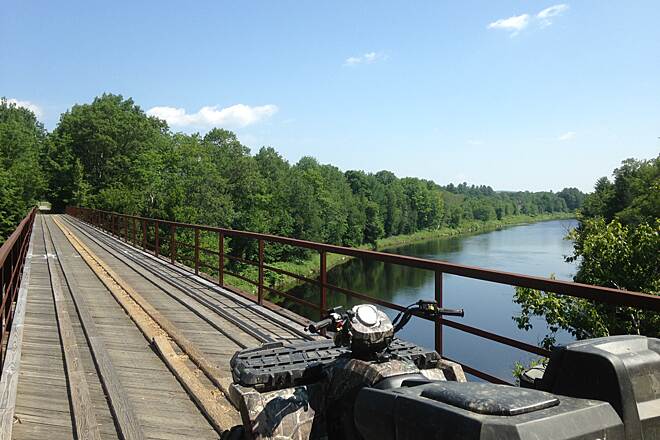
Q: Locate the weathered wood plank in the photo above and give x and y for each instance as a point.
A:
(121, 408)
(86, 425)
(215, 409)
(12, 365)
(157, 328)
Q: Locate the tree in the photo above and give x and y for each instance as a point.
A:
(573, 198)
(616, 245)
(107, 137)
(22, 179)
(373, 229)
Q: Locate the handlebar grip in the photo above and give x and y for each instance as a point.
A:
(315, 327)
(452, 312)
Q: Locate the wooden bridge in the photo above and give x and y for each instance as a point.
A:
(105, 337)
(93, 358)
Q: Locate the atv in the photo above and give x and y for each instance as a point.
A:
(366, 384)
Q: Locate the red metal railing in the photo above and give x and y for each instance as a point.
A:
(127, 227)
(12, 258)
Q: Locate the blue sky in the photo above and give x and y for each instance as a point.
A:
(513, 94)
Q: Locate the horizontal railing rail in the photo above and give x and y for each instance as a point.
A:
(12, 259)
(149, 230)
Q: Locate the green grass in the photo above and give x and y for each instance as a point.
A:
(472, 227)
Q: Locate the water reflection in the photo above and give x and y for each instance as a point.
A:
(537, 249)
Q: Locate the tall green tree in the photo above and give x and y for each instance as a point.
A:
(108, 138)
(22, 179)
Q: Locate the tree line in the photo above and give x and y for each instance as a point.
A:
(109, 154)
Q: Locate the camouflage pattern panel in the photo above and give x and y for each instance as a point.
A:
(371, 329)
(433, 374)
(349, 374)
(290, 414)
(452, 370)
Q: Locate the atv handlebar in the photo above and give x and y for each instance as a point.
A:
(316, 327)
(451, 312)
(424, 309)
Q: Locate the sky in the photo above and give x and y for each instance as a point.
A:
(518, 95)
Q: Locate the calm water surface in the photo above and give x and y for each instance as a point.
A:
(536, 249)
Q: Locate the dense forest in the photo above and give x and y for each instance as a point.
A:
(616, 245)
(109, 154)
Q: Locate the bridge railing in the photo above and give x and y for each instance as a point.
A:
(157, 235)
(12, 259)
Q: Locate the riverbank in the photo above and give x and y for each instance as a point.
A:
(310, 268)
(473, 227)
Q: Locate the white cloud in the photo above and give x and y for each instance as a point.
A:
(545, 16)
(514, 24)
(569, 135)
(237, 116)
(34, 108)
(517, 23)
(475, 142)
(367, 58)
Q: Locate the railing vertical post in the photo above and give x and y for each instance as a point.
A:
(221, 258)
(260, 292)
(196, 251)
(172, 243)
(157, 226)
(114, 224)
(438, 322)
(144, 234)
(323, 278)
(134, 232)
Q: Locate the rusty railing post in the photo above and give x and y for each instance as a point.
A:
(172, 243)
(144, 234)
(260, 291)
(221, 258)
(323, 278)
(438, 322)
(196, 251)
(134, 231)
(156, 250)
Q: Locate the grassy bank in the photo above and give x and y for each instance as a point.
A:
(467, 228)
(310, 268)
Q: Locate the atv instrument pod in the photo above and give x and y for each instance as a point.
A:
(371, 329)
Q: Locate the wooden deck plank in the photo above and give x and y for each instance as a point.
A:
(121, 407)
(86, 426)
(117, 329)
(42, 405)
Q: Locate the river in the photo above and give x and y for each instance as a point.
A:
(532, 249)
